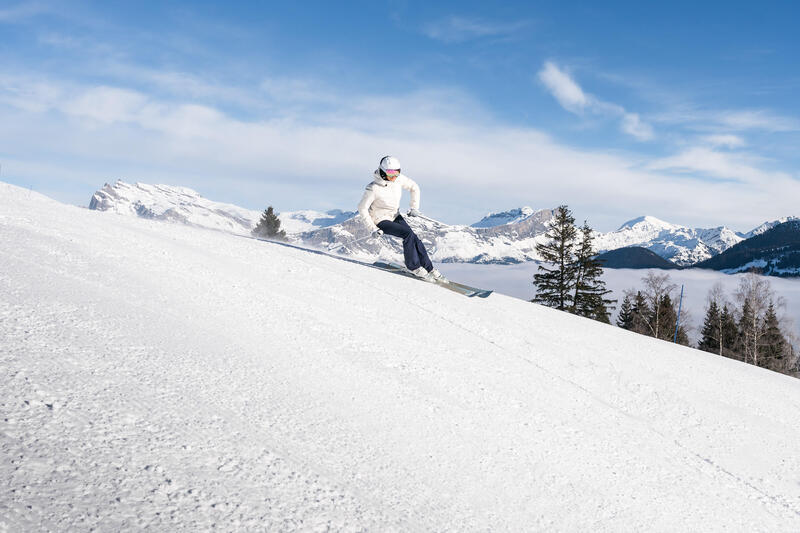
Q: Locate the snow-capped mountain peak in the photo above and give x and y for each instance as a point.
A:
(647, 223)
(505, 217)
(184, 205)
(175, 204)
(679, 244)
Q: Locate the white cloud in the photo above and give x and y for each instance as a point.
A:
(23, 11)
(757, 120)
(106, 104)
(721, 165)
(563, 87)
(573, 98)
(456, 29)
(730, 120)
(724, 141)
(463, 158)
(633, 125)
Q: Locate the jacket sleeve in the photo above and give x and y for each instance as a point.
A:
(363, 207)
(411, 186)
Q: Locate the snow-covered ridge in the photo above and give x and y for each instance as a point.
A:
(157, 376)
(767, 226)
(184, 205)
(681, 245)
(506, 217)
(507, 237)
(308, 220)
(507, 243)
(175, 204)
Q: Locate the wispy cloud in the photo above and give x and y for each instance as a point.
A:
(457, 29)
(729, 120)
(720, 165)
(723, 141)
(23, 11)
(757, 120)
(564, 89)
(115, 131)
(575, 100)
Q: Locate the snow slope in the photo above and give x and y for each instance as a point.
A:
(165, 376)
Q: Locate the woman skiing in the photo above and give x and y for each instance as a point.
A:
(380, 209)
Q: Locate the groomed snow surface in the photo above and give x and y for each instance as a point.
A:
(163, 376)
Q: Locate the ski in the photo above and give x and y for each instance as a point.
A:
(460, 288)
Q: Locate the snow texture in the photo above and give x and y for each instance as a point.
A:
(168, 377)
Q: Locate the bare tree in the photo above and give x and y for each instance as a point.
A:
(754, 296)
(657, 292)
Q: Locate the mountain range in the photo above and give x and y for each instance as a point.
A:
(498, 238)
(775, 252)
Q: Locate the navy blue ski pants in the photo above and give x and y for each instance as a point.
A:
(413, 250)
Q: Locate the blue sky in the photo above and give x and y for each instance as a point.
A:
(686, 111)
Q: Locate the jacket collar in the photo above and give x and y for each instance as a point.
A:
(379, 180)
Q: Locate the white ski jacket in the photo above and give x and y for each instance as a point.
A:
(381, 200)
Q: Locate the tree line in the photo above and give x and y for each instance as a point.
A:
(745, 327)
(653, 310)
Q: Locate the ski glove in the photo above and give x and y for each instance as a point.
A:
(413, 213)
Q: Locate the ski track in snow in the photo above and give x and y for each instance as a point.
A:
(166, 377)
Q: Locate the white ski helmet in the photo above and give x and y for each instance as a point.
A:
(389, 163)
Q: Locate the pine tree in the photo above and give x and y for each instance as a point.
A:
(728, 334)
(269, 227)
(589, 292)
(556, 277)
(773, 346)
(746, 333)
(625, 318)
(710, 336)
(641, 312)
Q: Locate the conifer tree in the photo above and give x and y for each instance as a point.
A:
(625, 318)
(641, 312)
(773, 346)
(710, 335)
(664, 323)
(590, 290)
(556, 277)
(729, 333)
(269, 227)
(746, 333)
